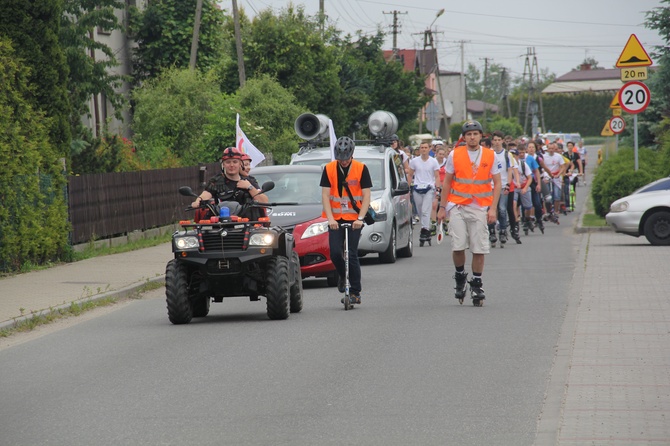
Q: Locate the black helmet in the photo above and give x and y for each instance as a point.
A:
(394, 137)
(469, 126)
(344, 148)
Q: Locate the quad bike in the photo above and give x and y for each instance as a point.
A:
(228, 255)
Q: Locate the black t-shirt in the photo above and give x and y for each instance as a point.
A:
(223, 188)
(366, 180)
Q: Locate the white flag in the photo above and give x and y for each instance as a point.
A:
(331, 131)
(244, 145)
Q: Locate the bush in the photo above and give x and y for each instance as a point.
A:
(616, 177)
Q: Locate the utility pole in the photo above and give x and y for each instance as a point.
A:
(396, 30)
(238, 44)
(486, 81)
(504, 82)
(534, 102)
(322, 16)
(463, 89)
(196, 34)
(429, 42)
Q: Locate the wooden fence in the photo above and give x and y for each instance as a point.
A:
(111, 204)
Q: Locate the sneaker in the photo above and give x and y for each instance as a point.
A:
(353, 299)
(341, 284)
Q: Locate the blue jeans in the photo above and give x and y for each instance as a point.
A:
(336, 240)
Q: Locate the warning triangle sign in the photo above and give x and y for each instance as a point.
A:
(633, 54)
(615, 102)
(607, 131)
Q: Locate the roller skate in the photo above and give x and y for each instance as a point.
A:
(424, 237)
(492, 236)
(461, 285)
(502, 236)
(514, 232)
(433, 228)
(476, 292)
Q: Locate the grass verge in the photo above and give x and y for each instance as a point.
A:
(91, 251)
(75, 309)
(590, 219)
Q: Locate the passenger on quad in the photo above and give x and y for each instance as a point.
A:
(232, 185)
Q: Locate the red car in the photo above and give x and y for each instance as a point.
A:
(300, 185)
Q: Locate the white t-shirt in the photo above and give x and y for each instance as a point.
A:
(424, 171)
(502, 162)
(475, 157)
(553, 162)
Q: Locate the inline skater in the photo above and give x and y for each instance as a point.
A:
(470, 201)
(424, 173)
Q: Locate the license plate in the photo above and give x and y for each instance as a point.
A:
(224, 264)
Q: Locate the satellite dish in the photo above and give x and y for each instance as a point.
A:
(448, 108)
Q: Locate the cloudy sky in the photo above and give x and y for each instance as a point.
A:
(563, 32)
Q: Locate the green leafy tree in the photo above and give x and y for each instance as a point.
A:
(267, 114)
(170, 114)
(489, 88)
(89, 76)
(33, 215)
(289, 47)
(591, 62)
(33, 28)
(164, 31)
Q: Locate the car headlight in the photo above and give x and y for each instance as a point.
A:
(262, 239)
(377, 205)
(619, 207)
(315, 229)
(189, 242)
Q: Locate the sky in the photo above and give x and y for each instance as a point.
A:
(562, 32)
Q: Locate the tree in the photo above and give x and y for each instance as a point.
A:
(659, 20)
(164, 31)
(89, 76)
(33, 28)
(489, 90)
(33, 215)
(170, 114)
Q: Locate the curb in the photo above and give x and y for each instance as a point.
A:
(118, 294)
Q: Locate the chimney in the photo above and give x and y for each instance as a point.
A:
(584, 67)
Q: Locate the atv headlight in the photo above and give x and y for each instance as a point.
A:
(315, 229)
(189, 242)
(262, 239)
(619, 207)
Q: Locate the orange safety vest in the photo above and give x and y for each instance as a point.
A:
(467, 186)
(341, 206)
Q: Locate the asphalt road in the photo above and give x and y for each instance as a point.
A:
(409, 366)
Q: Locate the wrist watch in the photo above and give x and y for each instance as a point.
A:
(250, 187)
(360, 219)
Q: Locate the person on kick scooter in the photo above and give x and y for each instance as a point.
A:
(338, 208)
(471, 201)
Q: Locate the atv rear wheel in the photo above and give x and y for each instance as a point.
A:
(277, 289)
(179, 307)
(201, 306)
(296, 287)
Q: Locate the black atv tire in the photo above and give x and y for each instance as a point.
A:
(201, 306)
(278, 288)
(296, 287)
(179, 307)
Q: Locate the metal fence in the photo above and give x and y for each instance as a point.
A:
(111, 204)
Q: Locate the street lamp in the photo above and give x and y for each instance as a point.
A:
(439, 13)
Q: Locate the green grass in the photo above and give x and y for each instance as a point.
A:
(91, 251)
(593, 220)
(75, 309)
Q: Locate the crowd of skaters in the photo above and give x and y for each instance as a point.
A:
(539, 180)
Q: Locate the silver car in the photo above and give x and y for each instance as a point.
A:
(644, 212)
(392, 237)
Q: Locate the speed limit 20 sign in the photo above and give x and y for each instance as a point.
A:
(634, 97)
(617, 124)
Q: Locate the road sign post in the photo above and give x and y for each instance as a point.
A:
(617, 124)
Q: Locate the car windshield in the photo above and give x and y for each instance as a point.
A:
(375, 166)
(663, 184)
(292, 187)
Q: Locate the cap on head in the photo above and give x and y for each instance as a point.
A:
(231, 153)
(344, 148)
(514, 151)
(472, 126)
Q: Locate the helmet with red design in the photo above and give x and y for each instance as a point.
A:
(231, 153)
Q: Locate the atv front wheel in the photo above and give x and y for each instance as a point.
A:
(179, 307)
(296, 286)
(277, 289)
